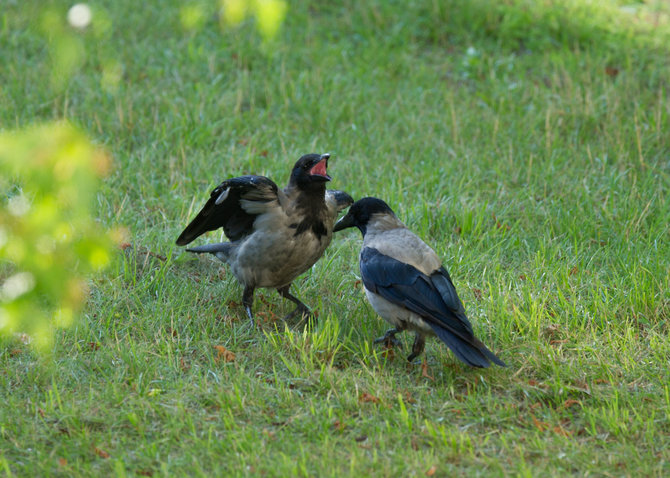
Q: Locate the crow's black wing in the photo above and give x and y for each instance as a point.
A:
(233, 205)
(405, 285)
(432, 297)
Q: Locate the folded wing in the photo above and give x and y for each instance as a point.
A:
(432, 297)
(233, 205)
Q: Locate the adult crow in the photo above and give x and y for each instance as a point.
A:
(275, 235)
(407, 285)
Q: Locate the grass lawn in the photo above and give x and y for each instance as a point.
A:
(527, 142)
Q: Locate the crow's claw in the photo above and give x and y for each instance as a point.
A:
(389, 339)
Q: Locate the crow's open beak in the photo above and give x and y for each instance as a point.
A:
(320, 169)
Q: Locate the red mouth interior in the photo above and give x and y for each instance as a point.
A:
(319, 169)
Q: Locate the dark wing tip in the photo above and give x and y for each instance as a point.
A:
(198, 226)
(473, 353)
(493, 357)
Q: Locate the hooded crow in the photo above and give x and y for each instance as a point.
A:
(275, 235)
(408, 286)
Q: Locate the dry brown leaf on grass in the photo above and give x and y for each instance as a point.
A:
(542, 426)
(224, 354)
(424, 370)
(612, 71)
(408, 397)
(570, 402)
(582, 386)
(366, 397)
(559, 430)
(388, 353)
(501, 225)
(431, 471)
(100, 452)
(62, 461)
(535, 383)
(337, 426)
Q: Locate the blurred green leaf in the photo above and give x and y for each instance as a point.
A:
(269, 14)
(48, 239)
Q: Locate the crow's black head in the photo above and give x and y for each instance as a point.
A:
(361, 211)
(310, 172)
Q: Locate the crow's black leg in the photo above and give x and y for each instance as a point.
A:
(301, 308)
(389, 338)
(247, 301)
(417, 347)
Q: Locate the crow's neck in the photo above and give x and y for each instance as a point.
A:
(311, 205)
(383, 222)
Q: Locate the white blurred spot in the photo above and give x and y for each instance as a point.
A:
(79, 16)
(24, 338)
(17, 285)
(18, 205)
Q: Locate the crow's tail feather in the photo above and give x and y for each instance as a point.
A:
(475, 355)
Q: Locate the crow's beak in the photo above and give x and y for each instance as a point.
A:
(345, 222)
(319, 170)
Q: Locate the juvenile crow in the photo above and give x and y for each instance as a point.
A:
(407, 285)
(275, 235)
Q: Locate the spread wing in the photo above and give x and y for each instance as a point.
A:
(233, 205)
(432, 297)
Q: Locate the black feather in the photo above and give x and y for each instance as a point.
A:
(467, 352)
(405, 285)
(315, 225)
(433, 298)
(229, 214)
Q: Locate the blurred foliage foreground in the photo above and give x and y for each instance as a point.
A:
(49, 177)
